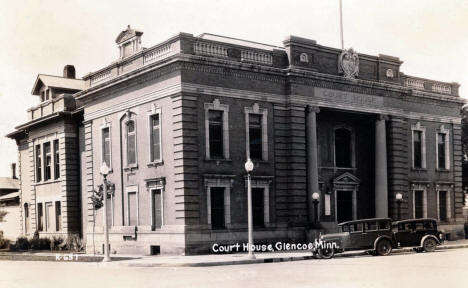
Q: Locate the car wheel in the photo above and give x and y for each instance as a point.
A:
(326, 253)
(429, 245)
(384, 247)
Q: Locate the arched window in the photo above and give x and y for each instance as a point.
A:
(131, 143)
(343, 148)
(26, 218)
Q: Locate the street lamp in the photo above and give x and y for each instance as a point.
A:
(399, 199)
(315, 200)
(104, 173)
(249, 166)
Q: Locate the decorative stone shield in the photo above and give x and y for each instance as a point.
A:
(348, 63)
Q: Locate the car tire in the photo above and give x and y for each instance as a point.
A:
(429, 245)
(326, 253)
(384, 247)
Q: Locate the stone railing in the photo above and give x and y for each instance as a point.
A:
(430, 85)
(256, 57)
(101, 76)
(210, 49)
(414, 83)
(63, 102)
(157, 53)
(442, 88)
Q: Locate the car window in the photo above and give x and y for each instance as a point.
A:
(420, 226)
(356, 227)
(384, 225)
(429, 225)
(409, 226)
(345, 228)
(371, 226)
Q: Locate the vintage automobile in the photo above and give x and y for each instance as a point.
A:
(374, 235)
(422, 234)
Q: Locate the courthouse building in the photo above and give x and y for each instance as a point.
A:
(176, 123)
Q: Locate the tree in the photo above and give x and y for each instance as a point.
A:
(2, 215)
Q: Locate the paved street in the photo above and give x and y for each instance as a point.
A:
(447, 268)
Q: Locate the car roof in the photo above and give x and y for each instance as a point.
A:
(364, 220)
(414, 220)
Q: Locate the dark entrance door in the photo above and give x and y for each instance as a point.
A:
(344, 206)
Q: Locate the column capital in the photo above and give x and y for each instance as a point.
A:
(311, 109)
(381, 117)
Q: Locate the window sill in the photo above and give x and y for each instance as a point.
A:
(130, 168)
(419, 169)
(442, 170)
(218, 160)
(47, 182)
(156, 163)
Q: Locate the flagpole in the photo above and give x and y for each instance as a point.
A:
(341, 25)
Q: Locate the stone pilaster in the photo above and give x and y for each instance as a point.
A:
(312, 165)
(381, 186)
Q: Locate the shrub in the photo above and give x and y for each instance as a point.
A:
(37, 243)
(21, 244)
(4, 243)
(57, 243)
(74, 243)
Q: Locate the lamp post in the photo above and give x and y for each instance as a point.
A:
(315, 200)
(399, 199)
(249, 166)
(104, 173)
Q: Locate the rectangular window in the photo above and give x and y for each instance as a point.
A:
(131, 143)
(441, 143)
(132, 209)
(38, 163)
(255, 136)
(418, 204)
(217, 207)
(443, 205)
(58, 216)
(49, 212)
(40, 215)
(417, 149)
(157, 209)
(215, 119)
(47, 161)
(56, 159)
(258, 207)
(106, 146)
(155, 138)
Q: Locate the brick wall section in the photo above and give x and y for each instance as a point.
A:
(21, 204)
(457, 171)
(32, 204)
(88, 170)
(281, 138)
(186, 178)
(69, 170)
(398, 165)
(290, 164)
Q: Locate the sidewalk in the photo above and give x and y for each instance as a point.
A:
(194, 261)
(237, 259)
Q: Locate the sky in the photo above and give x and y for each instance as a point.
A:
(36, 36)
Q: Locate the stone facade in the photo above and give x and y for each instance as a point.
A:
(310, 126)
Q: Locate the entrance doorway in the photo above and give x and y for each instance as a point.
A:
(344, 206)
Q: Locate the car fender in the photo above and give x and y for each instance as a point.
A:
(429, 236)
(380, 238)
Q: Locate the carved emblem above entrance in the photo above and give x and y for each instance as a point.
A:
(348, 63)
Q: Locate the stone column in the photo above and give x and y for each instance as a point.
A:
(312, 161)
(381, 187)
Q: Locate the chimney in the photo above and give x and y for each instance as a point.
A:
(69, 71)
(13, 170)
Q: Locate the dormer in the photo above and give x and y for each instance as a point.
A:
(48, 87)
(129, 42)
